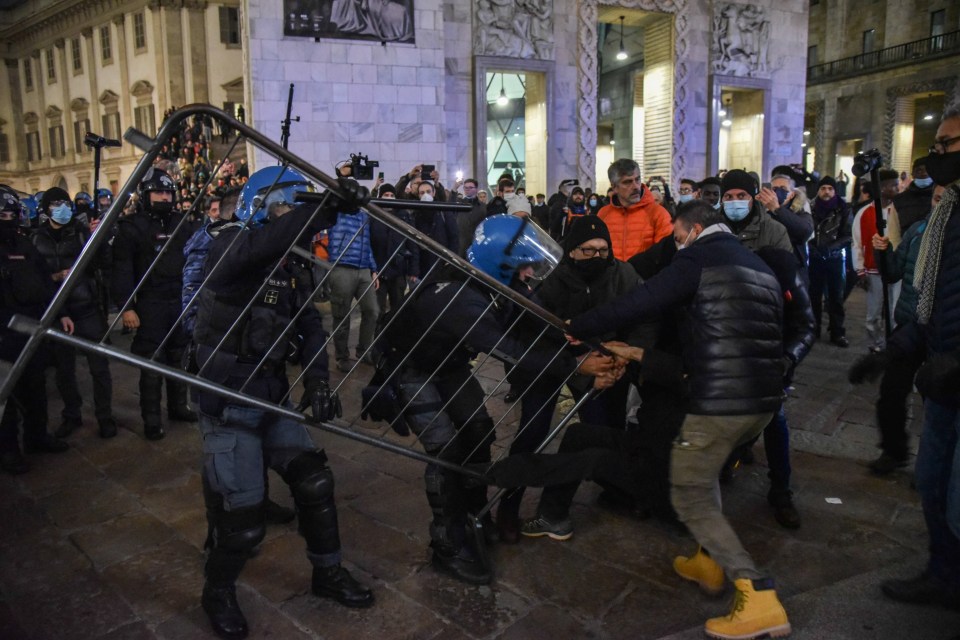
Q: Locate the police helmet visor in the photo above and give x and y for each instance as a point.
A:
(536, 249)
(285, 195)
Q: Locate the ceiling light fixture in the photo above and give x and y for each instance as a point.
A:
(929, 116)
(806, 133)
(722, 112)
(622, 54)
(503, 99)
(727, 122)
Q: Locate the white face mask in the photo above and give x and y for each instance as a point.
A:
(685, 243)
(426, 197)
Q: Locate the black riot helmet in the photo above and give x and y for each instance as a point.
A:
(157, 181)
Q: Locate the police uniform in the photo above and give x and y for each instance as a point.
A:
(25, 289)
(60, 248)
(244, 346)
(141, 236)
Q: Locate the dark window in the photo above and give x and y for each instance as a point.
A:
(33, 146)
(144, 119)
(111, 125)
(56, 141)
(229, 25)
(4, 148)
(812, 55)
(80, 129)
(106, 50)
(938, 20)
(869, 40)
(28, 74)
(51, 67)
(76, 55)
(139, 31)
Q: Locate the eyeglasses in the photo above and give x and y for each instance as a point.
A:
(590, 252)
(940, 146)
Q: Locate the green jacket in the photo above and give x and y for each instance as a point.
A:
(900, 265)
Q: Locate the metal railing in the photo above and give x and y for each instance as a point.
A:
(941, 46)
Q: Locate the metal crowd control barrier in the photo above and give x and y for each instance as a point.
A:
(345, 383)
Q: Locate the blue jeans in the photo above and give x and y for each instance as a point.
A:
(938, 481)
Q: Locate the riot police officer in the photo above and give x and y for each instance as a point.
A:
(59, 240)
(155, 309)
(243, 345)
(26, 289)
(444, 402)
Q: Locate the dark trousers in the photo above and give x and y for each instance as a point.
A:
(29, 402)
(827, 277)
(776, 443)
(895, 388)
(90, 327)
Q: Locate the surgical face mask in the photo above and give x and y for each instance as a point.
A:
(61, 214)
(736, 210)
(685, 197)
(685, 243)
(593, 202)
(781, 194)
(716, 207)
(426, 197)
(923, 183)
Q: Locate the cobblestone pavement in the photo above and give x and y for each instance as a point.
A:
(105, 541)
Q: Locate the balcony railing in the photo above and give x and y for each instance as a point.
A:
(940, 46)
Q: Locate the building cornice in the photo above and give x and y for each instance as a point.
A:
(65, 19)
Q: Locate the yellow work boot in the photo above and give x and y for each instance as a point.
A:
(756, 612)
(702, 569)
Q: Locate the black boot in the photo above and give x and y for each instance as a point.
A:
(177, 408)
(221, 606)
(220, 593)
(150, 393)
(337, 584)
(464, 565)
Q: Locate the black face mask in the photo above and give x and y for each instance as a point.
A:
(8, 231)
(781, 194)
(944, 168)
(161, 209)
(591, 268)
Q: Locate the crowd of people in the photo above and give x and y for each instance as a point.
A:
(698, 311)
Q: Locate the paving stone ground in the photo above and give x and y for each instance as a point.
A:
(105, 541)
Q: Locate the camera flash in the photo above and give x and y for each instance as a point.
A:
(459, 175)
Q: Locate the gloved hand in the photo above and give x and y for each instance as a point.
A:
(354, 195)
(323, 403)
(868, 368)
(939, 377)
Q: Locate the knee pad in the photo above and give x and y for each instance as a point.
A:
(310, 479)
(239, 531)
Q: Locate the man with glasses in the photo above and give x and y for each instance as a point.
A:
(936, 335)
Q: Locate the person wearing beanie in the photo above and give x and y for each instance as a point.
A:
(518, 205)
(386, 188)
(576, 206)
(827, 268)
(864, 261)
(587, 276)
(757, 230)
(398, 257)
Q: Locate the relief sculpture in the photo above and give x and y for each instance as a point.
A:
(514, 28)
(741, 34)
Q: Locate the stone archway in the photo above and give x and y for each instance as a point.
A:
(587, 81)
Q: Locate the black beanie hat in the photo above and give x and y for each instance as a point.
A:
(386, 187)
(53, 194)
(577, 190)
(585, 228)
(738, 179)
(827, 181)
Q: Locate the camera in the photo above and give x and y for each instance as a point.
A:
(867, 161)
(362, 166)
(426, 171)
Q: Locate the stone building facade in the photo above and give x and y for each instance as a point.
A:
(880, 75)
(103, 66)
(429, 102)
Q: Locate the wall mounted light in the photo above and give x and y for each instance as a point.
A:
(622, 54)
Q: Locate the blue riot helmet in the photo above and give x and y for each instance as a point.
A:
(104, 200)
(267, 188)
(30, 205)
(82, 202)
(504, 243)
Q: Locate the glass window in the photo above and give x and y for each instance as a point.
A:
(506, 130)
(229, 25)
(812, 55)
(75, 54)
(4, 148)
(28, 74)
(869, 40)
(33, 146)
(144, 119)
(51, 67)
(56, 141)
(938, 20)
(139, 31)
(111, 125)
(80, 129)
(106, 50)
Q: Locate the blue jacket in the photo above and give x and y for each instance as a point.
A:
(195, 252)
(350, 241)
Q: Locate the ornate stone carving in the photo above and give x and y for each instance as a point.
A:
(951, 93)
(741, 35)
(587, 80)
(514, 29)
